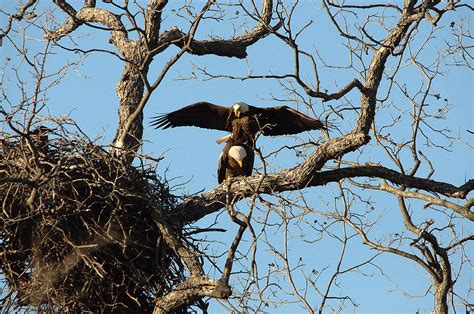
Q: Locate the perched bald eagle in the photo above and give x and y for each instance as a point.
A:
(235, 160)
(242, 120)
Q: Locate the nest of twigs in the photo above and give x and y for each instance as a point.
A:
(77, 227)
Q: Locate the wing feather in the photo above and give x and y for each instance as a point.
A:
(285, 120)
(222, 165)
(201, 114)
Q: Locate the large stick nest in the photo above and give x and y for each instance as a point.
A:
(77, 228)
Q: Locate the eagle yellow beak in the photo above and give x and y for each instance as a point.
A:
(240, 163)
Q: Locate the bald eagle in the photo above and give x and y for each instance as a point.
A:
(235, 160)
(242, 120)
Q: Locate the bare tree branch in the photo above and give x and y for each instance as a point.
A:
(236, 47)
(153, 21)
(189, 291)
(289, 180)
(118, 32)
(18, 16)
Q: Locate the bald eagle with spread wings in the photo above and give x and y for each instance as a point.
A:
(242, 120)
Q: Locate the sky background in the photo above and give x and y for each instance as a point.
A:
(87, 95)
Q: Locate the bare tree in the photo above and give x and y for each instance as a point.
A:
(382, 40)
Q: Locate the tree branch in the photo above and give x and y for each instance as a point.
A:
(236, 47)
(18, 17)
(376, 69)
(342, 92)
(463, 211)
(294, 179)
(457, 243)
(299, 177)
(393, 176)
(190, 291)
(153, 21)
(390, 249)
(118, 32)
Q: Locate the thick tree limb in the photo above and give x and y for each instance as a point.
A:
(376, 69)
(299, 177)
(236, 47)
(189, 257)
(290, 180)
(393, 176)
(118, 32)
(72, 24)
(153, 21)
(190, 291)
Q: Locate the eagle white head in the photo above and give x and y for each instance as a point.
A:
(239, 108)
(238, 153)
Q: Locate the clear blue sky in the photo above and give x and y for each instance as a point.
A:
(88, 96)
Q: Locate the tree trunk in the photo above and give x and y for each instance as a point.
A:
(130, 92)
(441, 298)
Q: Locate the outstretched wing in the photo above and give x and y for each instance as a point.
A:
(201, 114)
(284, 120)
